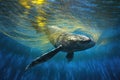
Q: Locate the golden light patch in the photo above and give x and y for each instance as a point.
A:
(42, 24)
(41, 21)
(25, 3)
(42, 12)
(26, 12)
(38, 2)
(40, 18)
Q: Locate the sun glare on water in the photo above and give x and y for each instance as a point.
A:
(27, 3)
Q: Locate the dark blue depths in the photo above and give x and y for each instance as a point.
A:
(101, 62)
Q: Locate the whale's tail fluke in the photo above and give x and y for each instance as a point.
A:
(44, 57)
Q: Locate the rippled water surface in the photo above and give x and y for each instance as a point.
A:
(20, 42)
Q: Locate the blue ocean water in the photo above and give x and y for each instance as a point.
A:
(20, 44)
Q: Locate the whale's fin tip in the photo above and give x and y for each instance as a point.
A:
(44, 57)
(70, 56)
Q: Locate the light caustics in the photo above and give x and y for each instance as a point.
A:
(25, 33)
(18, 28)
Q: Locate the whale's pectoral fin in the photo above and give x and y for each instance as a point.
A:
(44, 57)
(69, 56)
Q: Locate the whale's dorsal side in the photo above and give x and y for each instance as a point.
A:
(44, 57)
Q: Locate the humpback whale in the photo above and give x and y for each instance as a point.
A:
(60, 39)
(63, 41)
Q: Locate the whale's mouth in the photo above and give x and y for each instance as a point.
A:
(87, 41)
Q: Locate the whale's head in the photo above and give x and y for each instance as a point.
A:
(80, 42)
